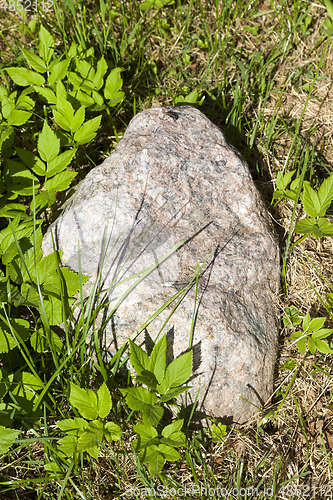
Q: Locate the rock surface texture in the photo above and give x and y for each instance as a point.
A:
(173, 178)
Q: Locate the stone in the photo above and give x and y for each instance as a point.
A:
(171, 179)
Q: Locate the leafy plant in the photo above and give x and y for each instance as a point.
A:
(163, 384)
(87, 434)
(312, 335)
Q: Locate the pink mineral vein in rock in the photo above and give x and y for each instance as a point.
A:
(173, 178)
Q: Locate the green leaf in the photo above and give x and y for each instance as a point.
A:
(7, 342)
(7, 438)
(301, 345)
(47, 93)
(305, 226)
(59, 70)
(177, 372)
(88, 131)
(72, 280)
(329, 7)
(64, 112)
(112, 431)
(67, 445)
(146, 432)
(139, 398)
(113, 83)
(102, 68)
(282, 181)
(80, 83)
(325, 194)
(323, 228)
(316, 324)
(40, 343)
(77, 119)
(104, 401)
(291, 317)
(138, 358)
(152, 414)
(57, 311)
(34, 61)
(74, 426)
(32, 161)
(174, 392)
(61, 181)
(322, 346)
(43, 199)
(25, 77)
(322, 333)
(311, 345)
(157, 363)
(219, 431)
(83, 98)
(172, 435)
(60, 162)
(48, 143)
(46, 45)
(90, 440)
(85, 400)
(156, 463)
(311, 201)
(306, 321)
(18, 117)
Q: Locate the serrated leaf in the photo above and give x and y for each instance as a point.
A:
(56, 310)
(60, 162)
(301, 345)
(67, 445)
(219, 431)
(323, 228)
(61, 181)
(58, 71)
(104, 401)
(325, 194)
(83, 98)
(102, 68)
(43, 199)
(3, 93)
(7, 438)
(282, 181)
(31, 160)
(85, 400)
(322, 346)
(48, 143)
(112, 431)
(7, 342)
(177, 372)
(139, 398)
(305, 226)
(291, 317)
(113, 84)
(152, 414)
(25, 77)
(316, 324)
(74, 426)
(156, 464)
(80, 83)
(88, 131)
(311, 201)
(46, 45)
(146, 432)
(72, 280)
(157, 363)
(174, 392)
(18, 117)
(40, 343)
(34, 61)
(47, 93)
(77, 120)
(90, 440)
(138, 358)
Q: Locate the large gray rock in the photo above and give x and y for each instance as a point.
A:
(174, 178)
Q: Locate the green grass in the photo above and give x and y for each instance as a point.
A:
(264, 71)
